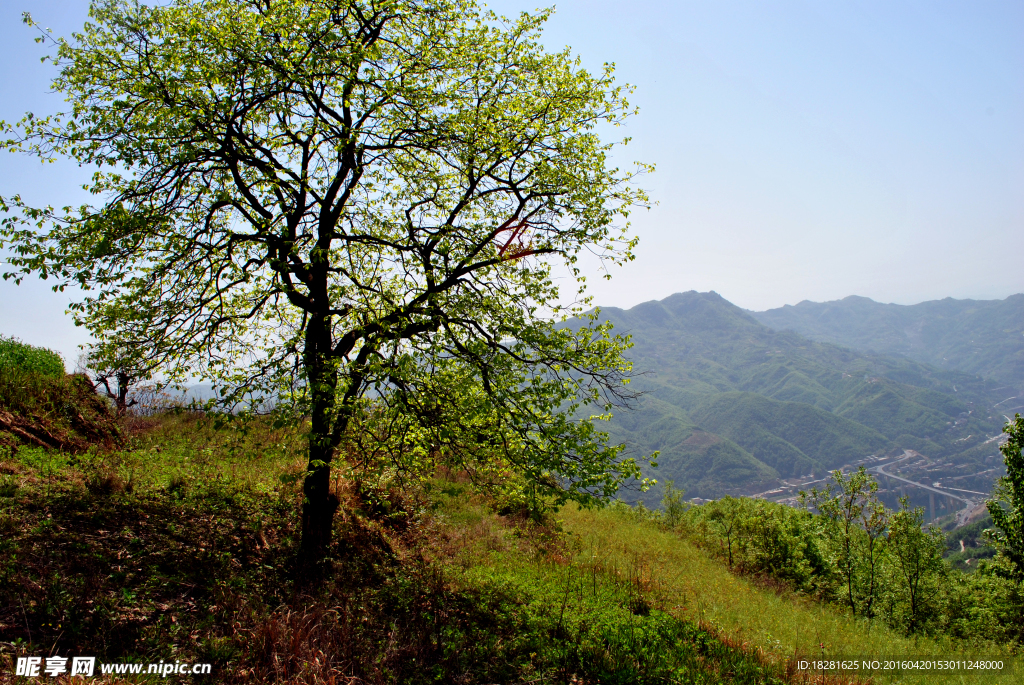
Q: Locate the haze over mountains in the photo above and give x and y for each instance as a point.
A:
(734, 405)
(984, 337)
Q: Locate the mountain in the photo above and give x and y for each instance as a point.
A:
(734, 405)
(983, 337)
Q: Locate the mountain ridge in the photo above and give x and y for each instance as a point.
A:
(984, 337)
(726, 399)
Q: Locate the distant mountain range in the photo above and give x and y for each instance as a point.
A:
(733, 404)
(984, 337)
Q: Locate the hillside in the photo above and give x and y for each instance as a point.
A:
(791, 437)
(43, 407)
(180, 541)
(186, 540)
(733, 404)
(983, 337)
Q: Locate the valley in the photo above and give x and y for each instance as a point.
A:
(733, 406)
(903, 476)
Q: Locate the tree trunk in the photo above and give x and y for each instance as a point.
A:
(123, 381)
(319, 504)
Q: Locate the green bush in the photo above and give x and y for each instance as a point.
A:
(913, 589)
(16, 355)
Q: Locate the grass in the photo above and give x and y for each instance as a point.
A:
(183, 546)
(760, 616)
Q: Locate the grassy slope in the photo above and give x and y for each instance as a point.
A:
(183, 546)
(778, 622)
(53, 411)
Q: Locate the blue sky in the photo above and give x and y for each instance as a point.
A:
(804, 150)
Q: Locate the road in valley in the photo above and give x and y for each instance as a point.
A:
(961, 514)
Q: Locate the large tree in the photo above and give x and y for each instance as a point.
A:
(356, 205)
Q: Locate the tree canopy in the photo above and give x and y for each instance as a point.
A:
(1007, 505)
(353, 206)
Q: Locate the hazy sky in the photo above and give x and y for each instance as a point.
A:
(804, 150)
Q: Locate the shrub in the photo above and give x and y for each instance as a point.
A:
(16, 355)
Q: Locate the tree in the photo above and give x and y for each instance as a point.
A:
(1007, 506)
(673, 504)
(350, 205)
(727, 515)
(116, 371)
(855, 521)
(918, 556)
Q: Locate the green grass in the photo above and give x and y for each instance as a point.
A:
(768, 618)
(183, 545)
(600, 620)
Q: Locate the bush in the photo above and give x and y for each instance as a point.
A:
(16, 355)
(913, 590)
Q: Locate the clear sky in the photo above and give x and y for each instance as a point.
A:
(804, 150)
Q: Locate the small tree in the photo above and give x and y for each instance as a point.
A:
(855, 522)
(673, 504)
(727, 516)
(918, 561)
(116, 372)
(351, 206)
(1007, 504)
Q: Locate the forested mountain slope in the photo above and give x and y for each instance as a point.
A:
(732, 404)
(984, 337)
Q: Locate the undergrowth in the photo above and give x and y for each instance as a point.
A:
(61, 413)
(183, 545)
(29, 359)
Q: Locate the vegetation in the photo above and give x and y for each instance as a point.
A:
(347, 213)
(854, 521)
(975, 546)
(792, 437)
(183, 543)
(1007, 508)
(883, 566)
(17, 357)
(328, 202)
(185, 546)
(43, 407)
(118, 373)
(917, 563)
